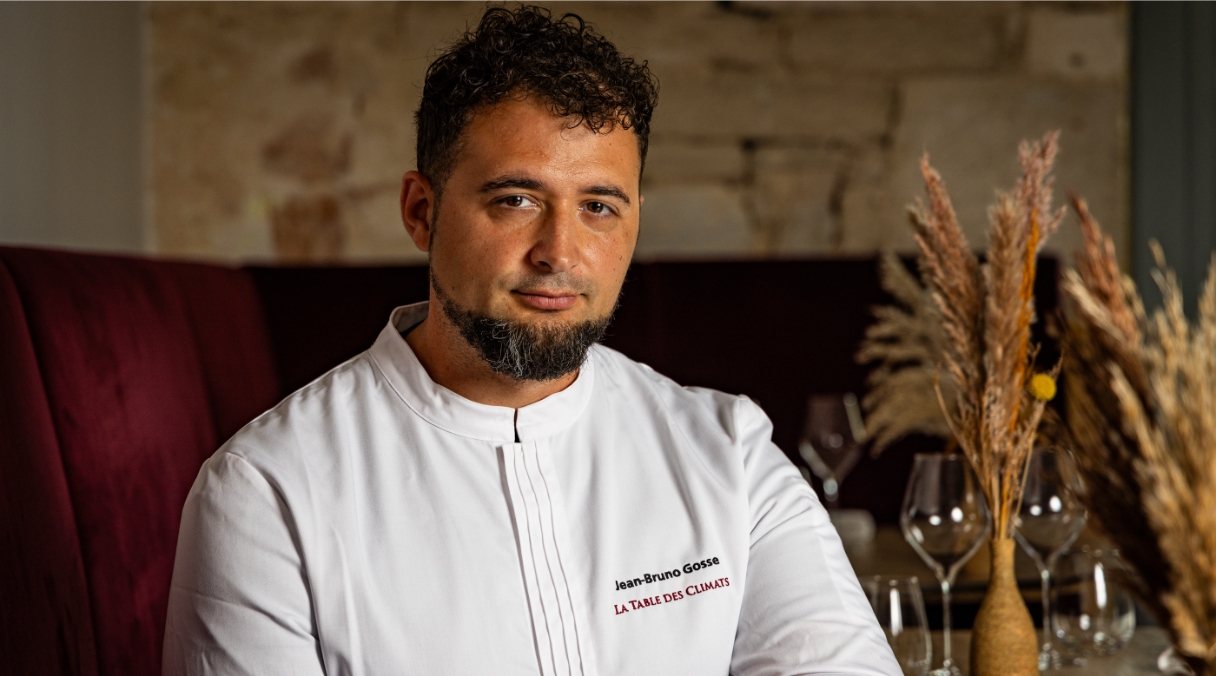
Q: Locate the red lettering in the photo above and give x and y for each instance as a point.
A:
(672, 597)
(693, 590)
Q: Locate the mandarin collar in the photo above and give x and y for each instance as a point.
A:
(453, 413)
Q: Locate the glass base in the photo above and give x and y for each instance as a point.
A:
(1052, 659)
(1169, 663)
(951, 670)
(1059, 662)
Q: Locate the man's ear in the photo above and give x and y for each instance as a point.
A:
(417, 208)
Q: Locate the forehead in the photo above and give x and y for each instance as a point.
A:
(525, 131)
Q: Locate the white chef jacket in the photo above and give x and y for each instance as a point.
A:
(375, 522)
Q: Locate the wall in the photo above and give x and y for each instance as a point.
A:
(280, 131)
(1174, 156)
(70, 125)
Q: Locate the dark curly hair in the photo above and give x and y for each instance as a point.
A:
(525, 51)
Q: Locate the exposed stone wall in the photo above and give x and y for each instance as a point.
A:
(281, 131)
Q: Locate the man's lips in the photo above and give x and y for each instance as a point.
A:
(546, 300)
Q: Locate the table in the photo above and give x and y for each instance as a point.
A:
(1138, 657)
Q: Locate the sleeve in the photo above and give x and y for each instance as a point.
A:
(239, 602)
(803, 609)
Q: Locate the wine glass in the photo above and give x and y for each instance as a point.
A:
(945, 518)
(1050, 519)
(1090, 614)
(831, 440)
(900, 608)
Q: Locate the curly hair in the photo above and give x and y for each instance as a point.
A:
(578, 72)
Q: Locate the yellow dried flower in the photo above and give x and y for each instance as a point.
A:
(1042, 387)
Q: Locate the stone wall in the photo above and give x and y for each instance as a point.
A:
(280, 131)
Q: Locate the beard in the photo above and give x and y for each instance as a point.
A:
(520, 350)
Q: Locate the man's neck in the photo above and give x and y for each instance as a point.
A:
(450, 361)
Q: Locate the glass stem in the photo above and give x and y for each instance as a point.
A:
(947, 653)
(1045, 577)
(831, 492)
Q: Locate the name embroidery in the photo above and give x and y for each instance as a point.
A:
(667, 574)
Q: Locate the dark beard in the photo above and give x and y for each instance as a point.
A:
(522, 351)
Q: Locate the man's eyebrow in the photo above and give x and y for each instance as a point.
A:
(609, 191)
(506, 182)
(512, 182)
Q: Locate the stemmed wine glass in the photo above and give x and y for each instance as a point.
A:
(945, 518)
(831, 440)
(1050, 519)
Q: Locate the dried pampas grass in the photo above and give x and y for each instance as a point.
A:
(985, 313)
(1142, 415)
(905, 344)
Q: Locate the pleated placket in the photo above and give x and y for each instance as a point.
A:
(540, 526)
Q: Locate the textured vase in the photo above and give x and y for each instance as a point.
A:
(1003, 640)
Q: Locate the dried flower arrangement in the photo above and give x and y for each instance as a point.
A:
(1141, 404)
(985, 313)
(905, 344)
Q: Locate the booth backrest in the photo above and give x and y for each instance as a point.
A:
(126, 374)
(119, 376)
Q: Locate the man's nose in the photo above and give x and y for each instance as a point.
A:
(557, 249)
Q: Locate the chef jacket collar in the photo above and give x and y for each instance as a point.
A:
(449, 411)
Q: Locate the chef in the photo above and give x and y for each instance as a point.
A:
(487, 491)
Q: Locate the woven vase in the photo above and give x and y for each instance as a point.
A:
(1003, 640)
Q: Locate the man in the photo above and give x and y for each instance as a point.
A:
(485, 490)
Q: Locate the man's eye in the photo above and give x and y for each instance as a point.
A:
(514, 200)
(597, 207)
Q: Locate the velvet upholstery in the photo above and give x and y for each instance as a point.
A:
(320, 317)
(229, 328)
(145, 366)
(45, 621)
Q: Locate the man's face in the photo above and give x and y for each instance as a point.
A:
(537, 221)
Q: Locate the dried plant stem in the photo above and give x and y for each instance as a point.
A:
(986, 312)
